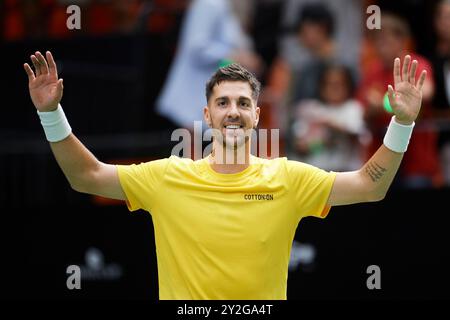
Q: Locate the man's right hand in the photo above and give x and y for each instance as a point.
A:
(45, 89)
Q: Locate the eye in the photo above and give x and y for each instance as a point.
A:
(244, 104)
(222, 103)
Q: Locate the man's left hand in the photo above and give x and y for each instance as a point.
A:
(406, 99)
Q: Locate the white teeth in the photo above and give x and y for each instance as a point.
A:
(232, 127)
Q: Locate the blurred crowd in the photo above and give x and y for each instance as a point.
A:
(37, 19)
(324, 71)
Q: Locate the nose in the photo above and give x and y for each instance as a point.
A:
(233, 111)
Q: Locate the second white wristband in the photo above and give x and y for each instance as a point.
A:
(397, 136)
(55, 124)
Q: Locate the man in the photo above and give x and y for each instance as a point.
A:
(224, 230)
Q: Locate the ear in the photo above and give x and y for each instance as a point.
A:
(255, 124)
(207, 116)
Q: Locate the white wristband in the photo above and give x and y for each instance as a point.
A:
(55, 124)
(397, 136)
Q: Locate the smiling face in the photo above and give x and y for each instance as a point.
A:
(232, 112)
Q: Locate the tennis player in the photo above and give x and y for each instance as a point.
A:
(224, 229)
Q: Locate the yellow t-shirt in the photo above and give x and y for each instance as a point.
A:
(225, 236)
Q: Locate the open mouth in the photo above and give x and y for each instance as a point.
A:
(233, 126)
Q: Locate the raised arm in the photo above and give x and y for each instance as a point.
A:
(373, 180)
(83, 171)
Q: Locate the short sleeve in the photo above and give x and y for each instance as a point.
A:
(141, 183)
(311, 188)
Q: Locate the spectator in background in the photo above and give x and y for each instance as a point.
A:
(420, 167)
(210, 34)
(266, 31)
(328, 130)
(348, 26)
(442, 28)
(441, 65)
(323, 31)
(315, 29)
(342, 22)
(296, 78)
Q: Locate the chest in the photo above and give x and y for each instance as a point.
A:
(230, 218)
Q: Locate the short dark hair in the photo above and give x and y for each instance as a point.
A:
(316, 13)
(233, 72)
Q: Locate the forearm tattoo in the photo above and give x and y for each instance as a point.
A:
(375, 171)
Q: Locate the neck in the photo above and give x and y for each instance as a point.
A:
(224, 160)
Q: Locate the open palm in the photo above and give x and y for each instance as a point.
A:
(406, 99)
(45, 88)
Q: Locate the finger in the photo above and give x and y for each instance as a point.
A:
(397, 78)
(42, 63)
(391, 95)
(37, 68)
(405, 68)
(51, 64)
(29, 72)
(59, 88)
(412, 73)
(60, 84)
(422, 78)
